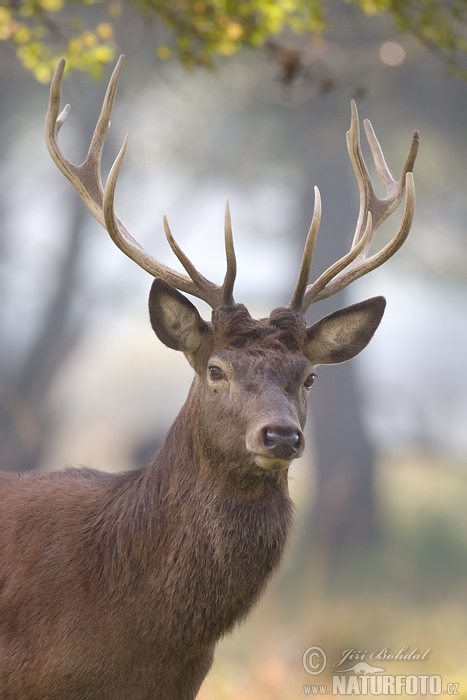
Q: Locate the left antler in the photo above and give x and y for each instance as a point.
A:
(373, 211)
(86, 179)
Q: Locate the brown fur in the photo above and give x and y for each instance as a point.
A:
(118, 586)
(234, 328)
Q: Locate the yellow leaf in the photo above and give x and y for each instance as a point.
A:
(234, 30)
(22, 34)
(5, 15)
(6, 25)
(164, 53)
(227, 48)
(75, 45)
(105, 31)
(43, 74)
(51, 5)
(104, 54)
(89, 40)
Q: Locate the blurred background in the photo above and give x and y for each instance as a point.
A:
(378, 558)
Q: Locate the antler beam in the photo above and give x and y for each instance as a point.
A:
(86, 179)
(373, 211)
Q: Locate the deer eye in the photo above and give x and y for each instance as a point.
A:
(215, 373)
(309, 380)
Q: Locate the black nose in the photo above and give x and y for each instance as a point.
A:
(283, 443)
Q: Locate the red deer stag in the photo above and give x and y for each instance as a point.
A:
(118, 586)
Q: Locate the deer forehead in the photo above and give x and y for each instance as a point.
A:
(234, 329)
(260, 352)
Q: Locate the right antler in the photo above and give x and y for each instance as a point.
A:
(86, 179)
(373, 211)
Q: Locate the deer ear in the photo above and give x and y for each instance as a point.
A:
(343, 334)
(176, 321)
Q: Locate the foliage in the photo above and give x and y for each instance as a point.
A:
(202, 29)
(196, 32)
(439, 25)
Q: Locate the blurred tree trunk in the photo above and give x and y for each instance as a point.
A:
(343, 516)
(25, 422)
(24, 418)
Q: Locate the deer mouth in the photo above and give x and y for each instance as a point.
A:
(271, 463)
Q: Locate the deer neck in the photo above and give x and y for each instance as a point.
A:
(189, 544)
(232, 537)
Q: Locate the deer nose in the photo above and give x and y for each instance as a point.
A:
(283, 443)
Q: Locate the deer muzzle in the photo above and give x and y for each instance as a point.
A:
(275, 446)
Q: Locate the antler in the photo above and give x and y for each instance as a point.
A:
(373, 211)
(86, 179)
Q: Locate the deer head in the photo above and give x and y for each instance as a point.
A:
(261, 392)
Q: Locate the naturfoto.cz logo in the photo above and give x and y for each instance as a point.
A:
(353, 674)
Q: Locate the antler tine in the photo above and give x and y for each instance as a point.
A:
(86, 179)
(231, 272)
(410, 160)
(94, 156)
(54, 122)
(126, 242)
(213, 298)
(298, 296)
(373, 211)
(366, 265)
(196, 284)
(315, 291)
(219, 296)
